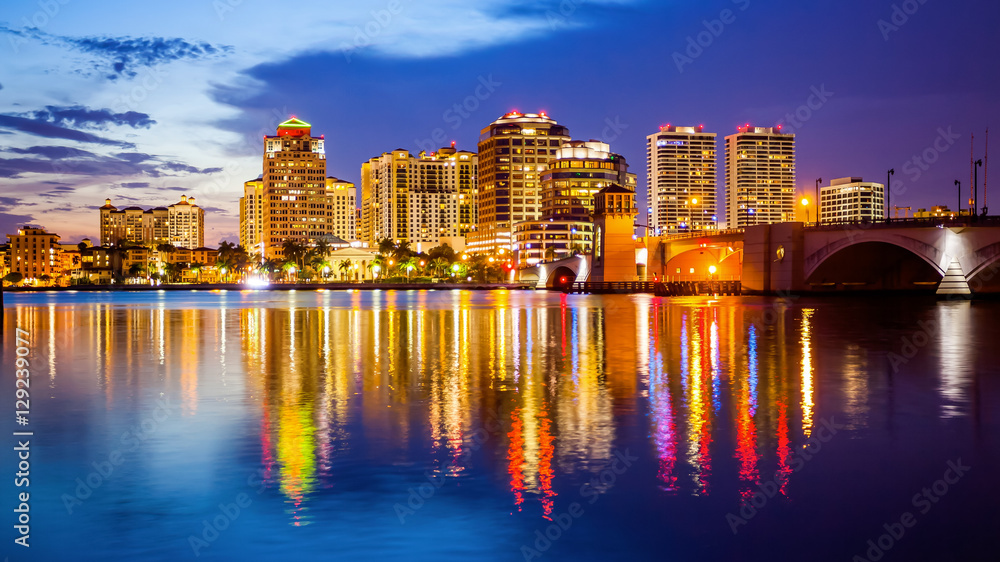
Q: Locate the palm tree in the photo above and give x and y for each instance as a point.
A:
(402, 252)
(440, 266)
(345, 268)
(196, 268)
(550, 253)
(136, 270)
(408, 265)
(386, 246)
(376, 266)
(295, 253)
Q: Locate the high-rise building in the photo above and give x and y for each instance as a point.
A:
(343, 207)
(681, 175)
(294, 188)
(575, 174)
(760, 176)
(252, 216)
(851, 200)
(513, 152)
(34, 253)
(187, 224)
(425, 200)
(181, 224)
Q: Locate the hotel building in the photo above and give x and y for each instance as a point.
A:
(181, 224)
(760, 177)
(852, 200)
(513, 152)
(577, 171)
(34, 253)
(295, 205)
(426, 200)
(681, 179)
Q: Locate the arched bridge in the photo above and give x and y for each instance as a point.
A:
(557, 274)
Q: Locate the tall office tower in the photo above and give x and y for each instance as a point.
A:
(187, 224)
(577, 171)
(760, 176)
(681, 174)
(295, 201)
(343, 209)
(181, 224)
(252, 216)
(420, 198)
(513, 151)
(852, 200)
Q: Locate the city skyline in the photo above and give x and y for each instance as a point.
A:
(917, 113)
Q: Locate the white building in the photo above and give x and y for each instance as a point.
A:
(852, 200)
(760, 177)
(681, 179)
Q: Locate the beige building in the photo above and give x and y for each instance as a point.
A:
(181, 224)
(294, 187)
(576, 173)
(681, 180)
(427, 200)
(513, 152)
(342, 207)
(252, 216)
(760, 177)
(614, 256)
(34, 253)
(852, 200)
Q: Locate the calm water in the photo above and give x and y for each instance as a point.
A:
(467, 426)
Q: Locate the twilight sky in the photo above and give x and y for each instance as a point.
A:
(145, 101)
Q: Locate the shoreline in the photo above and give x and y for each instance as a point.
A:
(281, 287)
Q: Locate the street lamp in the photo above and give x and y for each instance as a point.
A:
(805, 203)
(888, 192)
(958, 184)
(975, 188)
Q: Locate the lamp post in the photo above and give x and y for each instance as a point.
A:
(805, 203)
(975, 188)
(819, 206)
(888, 192)
(958, 184)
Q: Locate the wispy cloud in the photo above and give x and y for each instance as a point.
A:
(78, 116)
(42, 128)
(124, 56)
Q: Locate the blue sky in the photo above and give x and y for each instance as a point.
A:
(143, 102)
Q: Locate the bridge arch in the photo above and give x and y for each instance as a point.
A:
(873, 265)
(560, 277)
(693, 264)
(929, 253)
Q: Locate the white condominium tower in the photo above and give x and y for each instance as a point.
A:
(681, 174)
(760, 176)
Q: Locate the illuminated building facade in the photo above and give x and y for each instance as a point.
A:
(426, 200)
(851, 200)
(513, 152)
(294, 188)
(760, 177)
(34, 253)
(252, 216)
(681, 174)
(614, 244)
(342, 196)
(181, 224)
(577, 171)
